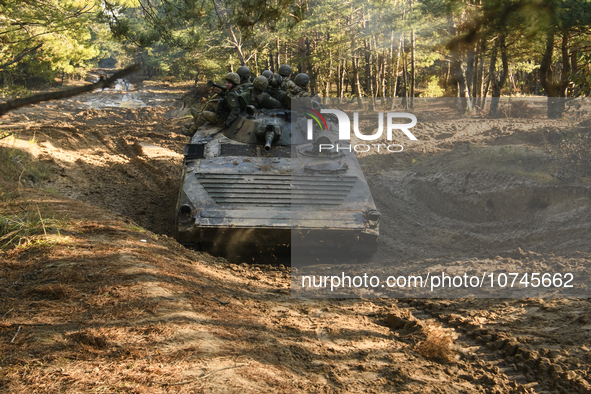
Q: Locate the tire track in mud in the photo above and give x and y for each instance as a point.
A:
(484, 363)
(526, 370)
(353, 343)
(491, 365)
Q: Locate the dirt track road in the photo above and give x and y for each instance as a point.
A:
(112, 307)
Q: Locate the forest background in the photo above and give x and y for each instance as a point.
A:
(358, 48)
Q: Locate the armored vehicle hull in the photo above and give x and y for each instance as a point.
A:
(252, 187)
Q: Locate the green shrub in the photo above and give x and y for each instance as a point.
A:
(433, 88)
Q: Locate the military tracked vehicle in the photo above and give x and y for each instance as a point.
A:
(261, 184)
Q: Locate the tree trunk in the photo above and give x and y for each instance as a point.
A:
(285, 53)
(470, 72)
(368, 73)
(556, 91)
(480, 77)
(238, 46)
(453, 80)
(341, 78)
(474, 77)
(356, 85)
(277, 55)
(459, 84)
(403, 90)
(497, 84)
(307, 65)
(383, 78)
(378, 69)
(391, 74)
(412, 69)
(329, 76)
(394, 91)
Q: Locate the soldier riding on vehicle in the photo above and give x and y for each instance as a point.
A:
(257, 96)
(226, 111)
(275, 90)
(300, 90)
(301, 82)
(285, 71)
(267, 74)
(244, 73)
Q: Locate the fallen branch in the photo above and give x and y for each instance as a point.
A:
(24, 324)
(37, 98)
(14, 337)
(202, 376)
(12, 126)
(10, 310)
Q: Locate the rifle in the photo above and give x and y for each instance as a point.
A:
(216, 98)
(211, 84)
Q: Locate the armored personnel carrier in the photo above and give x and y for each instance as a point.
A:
(262, 184)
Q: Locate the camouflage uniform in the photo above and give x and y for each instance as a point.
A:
(226, 111)
(278, 95)
(275, 90)
(300, 89)
(243, 86)
(287, 84)
(245, 82)
(295, 93)
(256, 95)
(258, 98)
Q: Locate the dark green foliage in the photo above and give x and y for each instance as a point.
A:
(582, 77)
(44, 38)
(358, 48)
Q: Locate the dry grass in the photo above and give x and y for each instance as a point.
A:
(19, 166)
(438, 344)
(22, 223)
(90, 337)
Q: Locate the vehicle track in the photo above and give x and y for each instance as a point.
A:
(481, 349)
(528, 370)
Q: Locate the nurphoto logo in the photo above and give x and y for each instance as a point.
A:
(344, 123)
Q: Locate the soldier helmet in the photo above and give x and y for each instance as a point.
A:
(244, 73)
(275, 81)
(302, 79)
(267, 74)
(260, 83)
(285, 70)
(234, 78)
